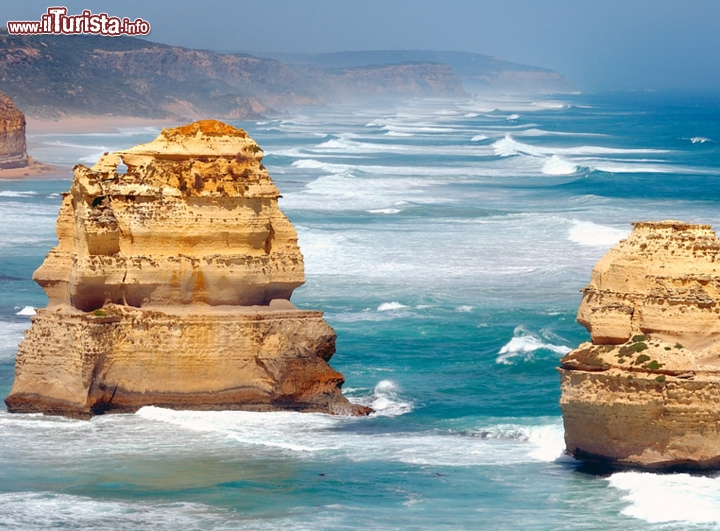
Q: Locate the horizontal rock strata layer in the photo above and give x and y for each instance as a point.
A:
(646, 391)
(170, 286)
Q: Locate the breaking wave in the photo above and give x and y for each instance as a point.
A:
(589, 233)
(523, 346)
(658, 498)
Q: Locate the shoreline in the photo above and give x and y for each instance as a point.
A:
(72, 125)
(34, 169)
(90, 124)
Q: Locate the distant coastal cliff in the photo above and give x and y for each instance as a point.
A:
(53, 76)
(13, 152)
(645, 391)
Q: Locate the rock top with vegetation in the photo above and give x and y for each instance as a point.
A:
(645, 392)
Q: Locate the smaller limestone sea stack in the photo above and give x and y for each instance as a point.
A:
(645, 392)
(13, 151)
(170, 286)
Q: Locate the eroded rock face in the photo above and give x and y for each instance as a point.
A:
(170, 286)
(645, 391)
(13, 150)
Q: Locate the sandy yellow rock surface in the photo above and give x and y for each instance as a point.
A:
(170, 286)
(646, 390)
(13, 152)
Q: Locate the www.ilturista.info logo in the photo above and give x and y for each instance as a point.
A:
(57, 22)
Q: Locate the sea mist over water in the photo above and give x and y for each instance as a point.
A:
(447, 241)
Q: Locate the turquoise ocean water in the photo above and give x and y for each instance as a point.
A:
(447, 241)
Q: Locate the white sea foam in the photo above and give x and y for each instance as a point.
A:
(346, 191)
(658, 498)
(390, 306)
(11, 193)
(547, 440)
(699, 140)
(513, 117)
(312, 164)
(534, 131)
(464, 309)
(307, 435)
(478, 138)
(417, 127)
(398, 133)
(11, 334)
(60, 143)
(558, 166)
(384, 211)
(345, 147)
(91, 159)
(550, 442)
(508, 146)
(385, 400)
(589, 233)
(611, 166)
(49, 510)
(26, 310)
(27, 224)
(523, 346)
(550, 104)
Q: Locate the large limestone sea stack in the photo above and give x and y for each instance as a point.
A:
(646, 391)
(170, 286)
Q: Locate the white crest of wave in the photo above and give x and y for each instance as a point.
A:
(699, 140)
(308, 164)
(92, 159)
(658, 498)
(550, 442)
(384, 211)
(312, 164)
(350, 191)
(11, 193)
(385, 400)
(26, 310)
(558, 166)
(508, 146)
(478, 138)
(547, 440)
(398, 133)
(589, 233)
(390, 306)
(513, 117)
(464, 309)
(336, 143)
(523, 346)
(550, 104)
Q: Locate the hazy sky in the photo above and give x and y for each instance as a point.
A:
(598, 44)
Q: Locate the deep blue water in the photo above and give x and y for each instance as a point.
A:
(447, 241)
